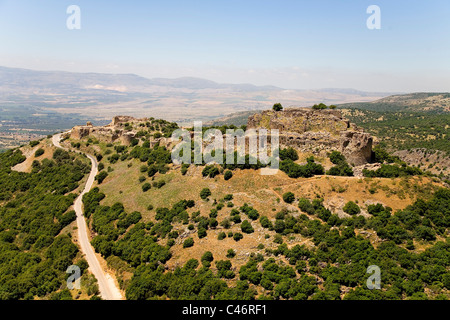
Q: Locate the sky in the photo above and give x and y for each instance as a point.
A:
(291, 44)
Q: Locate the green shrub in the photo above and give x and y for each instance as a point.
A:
(205, 193)
(39, 152)
(201, 233)
(336, 157)
(277, 107)
(351, 208)
(34, 143)
(231, 253)
(227, 175)
(288, 153)
(246, 227)
(184, 168)
(306, 206)
(159, 184)
(210, 171)
(265, 222)
(101, 176)
(288, 197)
(189, 242)
(228, 197)
(237, 236)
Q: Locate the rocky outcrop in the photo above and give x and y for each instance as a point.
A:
(317, 131)
(79, 132)
(300, 120)
(356, 146)
(358, 170)
(123, 119)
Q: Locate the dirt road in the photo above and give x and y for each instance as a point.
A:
(106, 284)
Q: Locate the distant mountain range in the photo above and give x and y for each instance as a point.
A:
(61, 82)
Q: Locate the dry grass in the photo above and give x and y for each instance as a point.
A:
(264, 193)
(28, 152)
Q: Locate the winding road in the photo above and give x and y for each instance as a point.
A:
(107, 286)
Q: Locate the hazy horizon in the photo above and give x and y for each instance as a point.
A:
(288, 44)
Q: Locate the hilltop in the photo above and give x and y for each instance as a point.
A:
(247, 219)
(404, 131)
(214, 231)
(411, 102)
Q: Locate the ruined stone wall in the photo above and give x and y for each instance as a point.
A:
(317, 131)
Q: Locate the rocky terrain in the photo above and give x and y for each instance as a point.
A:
(265, 231)
(411, 102)
(317, 131)
(122, 129)
(436, 162)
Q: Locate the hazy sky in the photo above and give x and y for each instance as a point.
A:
(291, 44)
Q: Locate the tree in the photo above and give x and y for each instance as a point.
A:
(265, 222)
(101, 176)
(227, 175)
(237, 236)
(246, 227)
(184, 168)
(224, 269)
(288, 197)
(189, 242)
(34, 143)
(288, 153)
(306, 206)
(146, 186)
(207, 258)
(210, 171)
(231, 254)
(205, 193)
(336, 157)
(201, 233)
(279, 226)
(39, 152)
(351, 208)
(152, 170)
(319, 106)
(277, 107)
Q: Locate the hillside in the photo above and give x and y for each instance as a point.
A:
(412, 102)
(237, 119)
(398, 131)
(225, 231)
(246, 236)
(37, 231)
(404, 133)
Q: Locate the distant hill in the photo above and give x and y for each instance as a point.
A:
(12, 79)
(412, 102)
(41, 102)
